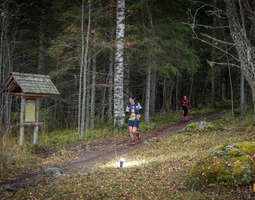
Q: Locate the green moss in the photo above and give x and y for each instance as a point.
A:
(247, 147)
(199, 126)
(229, 164)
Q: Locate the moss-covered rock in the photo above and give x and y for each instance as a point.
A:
(232, 164)
(199, 126)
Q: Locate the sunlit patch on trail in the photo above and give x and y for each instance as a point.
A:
(126, 164)
(133, 161)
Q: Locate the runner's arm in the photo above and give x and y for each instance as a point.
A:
(127, 110)
(140, 109)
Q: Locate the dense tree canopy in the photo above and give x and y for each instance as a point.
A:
(170, 44)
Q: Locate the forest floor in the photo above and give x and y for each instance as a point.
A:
(97, 153)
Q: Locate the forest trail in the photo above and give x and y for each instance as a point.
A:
(95, 154)
(101, 152)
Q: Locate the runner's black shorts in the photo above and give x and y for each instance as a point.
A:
(133, 123)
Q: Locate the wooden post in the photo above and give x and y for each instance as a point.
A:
(22, 119)
(37, 103)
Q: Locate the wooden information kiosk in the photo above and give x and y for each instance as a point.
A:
(30, 88)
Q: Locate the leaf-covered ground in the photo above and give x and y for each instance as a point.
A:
(157, 170)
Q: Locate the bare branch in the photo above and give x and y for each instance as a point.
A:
(217, 40)
(206, 26)
(212, 63)
(220, 49)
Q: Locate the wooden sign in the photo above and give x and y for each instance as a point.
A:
(30, 111)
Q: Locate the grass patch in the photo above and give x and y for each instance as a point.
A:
(158, 170)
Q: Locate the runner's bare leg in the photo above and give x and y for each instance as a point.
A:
(131, 133)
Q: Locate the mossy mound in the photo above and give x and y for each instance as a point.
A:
(199, 126)
(232, 164)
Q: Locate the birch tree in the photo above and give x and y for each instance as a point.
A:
(119, 64)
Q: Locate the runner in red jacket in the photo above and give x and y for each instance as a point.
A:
(185, 107)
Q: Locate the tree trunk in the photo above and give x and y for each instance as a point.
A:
(223, 90)
(164, 96)
(231, 90)
(213, 93)
(81, 68)
(42, 57)
(119, 65)
(171, 96)
(242, 45)
(242, 99)
(153, 92)
(110, 89)
(191, 87)
(88, 95)
(176, 93)
(213, 97)
(147, 95)
(6, 46)
(103, 104)
(253, 99)
(93, 94)
(127, 93)
(85, 74)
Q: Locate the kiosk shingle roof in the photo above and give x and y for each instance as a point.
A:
(29, 84)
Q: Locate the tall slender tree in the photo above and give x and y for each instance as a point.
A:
(147, 95)
(81, 66)
(243, 46)
(213, 55)
(242, 99)
(42, 55)
(83, 108)
(93, 94)
(119, 64)
(110, 89)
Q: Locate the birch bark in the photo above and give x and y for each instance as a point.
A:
(243, 46)
(119, 65)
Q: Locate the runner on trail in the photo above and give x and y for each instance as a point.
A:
(185, 107)
(134, 112)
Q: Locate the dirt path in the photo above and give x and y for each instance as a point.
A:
(100, 152)
(92, 154)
